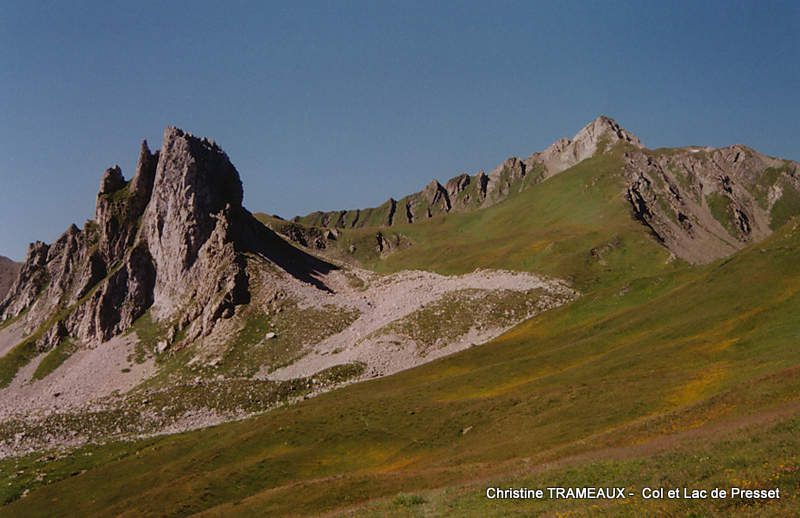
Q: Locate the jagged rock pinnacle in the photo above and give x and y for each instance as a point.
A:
(165, 238)
(112, 181)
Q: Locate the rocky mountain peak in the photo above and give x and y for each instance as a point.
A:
(142, 181)
(172, 238)
(199, 170)
(196, 192)
(597, 136)
(606, 127)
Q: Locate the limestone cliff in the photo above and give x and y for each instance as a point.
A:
(174, 238)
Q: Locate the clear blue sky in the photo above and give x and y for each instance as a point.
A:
(325, 107)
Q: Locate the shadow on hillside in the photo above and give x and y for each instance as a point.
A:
(256, 238)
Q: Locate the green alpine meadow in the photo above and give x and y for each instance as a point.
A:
(601, 327)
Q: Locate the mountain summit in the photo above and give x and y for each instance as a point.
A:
(598, 135)
(172, 238)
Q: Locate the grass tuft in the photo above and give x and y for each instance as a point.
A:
(53, 360)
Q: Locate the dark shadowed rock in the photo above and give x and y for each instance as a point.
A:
(112, 180)
(144, 178)
(8, 274)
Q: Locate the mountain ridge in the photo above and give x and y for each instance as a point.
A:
(701, 203)
(465, 192)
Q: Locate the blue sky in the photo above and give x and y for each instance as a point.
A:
(341, 105)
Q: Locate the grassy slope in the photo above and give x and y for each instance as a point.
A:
(610, 371)
(693, 365)
(549, 228)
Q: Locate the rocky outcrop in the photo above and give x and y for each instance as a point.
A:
(388, 243)
(187, 229)
(93, 281)
(705, 203)
(120, 206)
(52, 275)
(433, 199)
(309, 237)
(503, 180)
(174, 239)
(114, 304)
(466, 192)
(597, 136)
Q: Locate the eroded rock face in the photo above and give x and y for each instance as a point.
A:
(164, 240)
(112, 181)
(31, 279)
(503, 179)
(120, 206)
(52, 275)
(705, 203)
(195, 194)
(600, 134)
(309, 237)
(116, 302)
